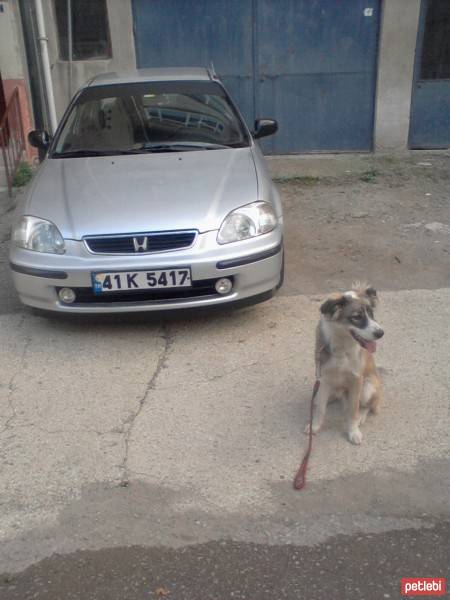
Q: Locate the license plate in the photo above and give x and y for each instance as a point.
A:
(127, 281)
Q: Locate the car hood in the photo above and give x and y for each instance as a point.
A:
(143, 192)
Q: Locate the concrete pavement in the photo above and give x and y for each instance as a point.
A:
(137, 453)
(121, 433)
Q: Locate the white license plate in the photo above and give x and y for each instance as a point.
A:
(127, 281)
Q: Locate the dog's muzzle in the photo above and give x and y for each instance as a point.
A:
(369, 346)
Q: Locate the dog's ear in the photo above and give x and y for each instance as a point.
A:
(330, 308)
(371, 293)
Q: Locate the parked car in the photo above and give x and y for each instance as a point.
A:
(153, 195)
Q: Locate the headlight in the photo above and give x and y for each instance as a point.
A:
(36, 234)
(247, 222)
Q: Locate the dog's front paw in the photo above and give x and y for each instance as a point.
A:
(363, 416)
(315, 428)
(355, 436)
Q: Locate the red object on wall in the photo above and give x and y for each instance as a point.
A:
(8, 87)
(2, 102)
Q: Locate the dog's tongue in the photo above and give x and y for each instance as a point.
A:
(371, 347)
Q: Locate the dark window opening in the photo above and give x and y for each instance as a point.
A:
(90, 30)
(436, 41)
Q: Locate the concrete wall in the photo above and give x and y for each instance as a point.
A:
(122, 44)
(13, 65)
(398, 35)
(400, 21)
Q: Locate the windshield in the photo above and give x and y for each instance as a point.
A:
(150, 117)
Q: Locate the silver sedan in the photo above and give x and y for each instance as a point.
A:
(153, 195)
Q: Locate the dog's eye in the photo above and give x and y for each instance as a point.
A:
(356, 318)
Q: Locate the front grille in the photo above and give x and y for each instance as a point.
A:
(140, 243)
(199, 289)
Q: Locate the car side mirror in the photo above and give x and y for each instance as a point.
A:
(39, 138)
(264, 127)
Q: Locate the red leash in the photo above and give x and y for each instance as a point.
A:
(300, 478)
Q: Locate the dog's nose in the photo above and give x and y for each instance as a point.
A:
(379, 333)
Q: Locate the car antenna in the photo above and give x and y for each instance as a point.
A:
(212, 71)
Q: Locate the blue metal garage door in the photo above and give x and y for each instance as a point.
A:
(187, 33)
(430, 108)
(310, 64)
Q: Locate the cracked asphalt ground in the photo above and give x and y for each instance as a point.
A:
(146, 458)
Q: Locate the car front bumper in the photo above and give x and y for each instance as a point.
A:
(253, 265)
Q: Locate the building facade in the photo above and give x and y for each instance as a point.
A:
(339, 76)
(13, 67)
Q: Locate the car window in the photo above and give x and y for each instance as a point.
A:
(140, 117)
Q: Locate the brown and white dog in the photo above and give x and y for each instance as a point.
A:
(345, 342)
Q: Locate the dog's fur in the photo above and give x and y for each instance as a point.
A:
(345, 341)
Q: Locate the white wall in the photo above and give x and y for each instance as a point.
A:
(122, 44)
(11, 53)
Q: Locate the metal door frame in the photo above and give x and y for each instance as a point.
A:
(417, 63)
(254, 100)
(256, 77)
(426, 82)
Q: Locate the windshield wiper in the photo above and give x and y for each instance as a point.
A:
(149, 147)
(180, 147)
(87, 152)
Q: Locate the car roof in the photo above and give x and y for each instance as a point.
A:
(157, 74)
